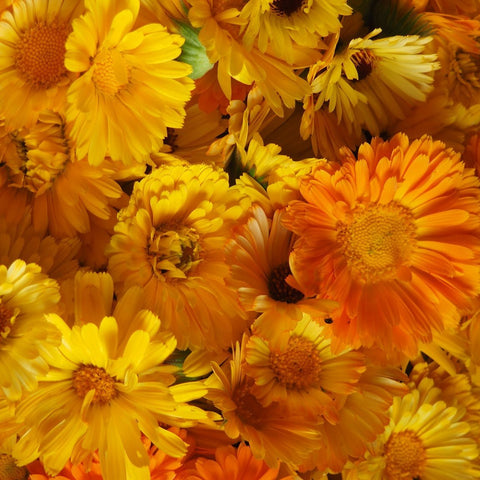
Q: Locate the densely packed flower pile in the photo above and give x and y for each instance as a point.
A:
(239, 239)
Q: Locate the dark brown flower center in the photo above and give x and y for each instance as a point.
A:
(279, 289)
(9, 470)
(363, 61)
(287, 7)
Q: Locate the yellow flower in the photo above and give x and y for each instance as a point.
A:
(299, 369)
(326, 133)
(40, 169)
(362, 416)
(32, 46)
(130, 88)
(286, 26)
(460, 72)
(18, 240)
(426, 438)
(100, 394)
(191, 142)
(392, 235)
(372, 81)
(221, 33)
(26, 295)
(170, 242)
(273, 432)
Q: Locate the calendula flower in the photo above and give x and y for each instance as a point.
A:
(100, 394)
(170, 241)
(41, 170)
(460, 72)
(56, 257)
(231, 463)
(68, 472)
(361, 416)
(258, 256)
(426, 438)
(372, 81)
(284, 26)
(126, 96)
(326, 133)
(469, 8)
(32, 44)
(273, 432)
(456, 389)
(191, 143)
(392, 235)
(299, 369)
(220, 32)
(274, 176)
(26, 294)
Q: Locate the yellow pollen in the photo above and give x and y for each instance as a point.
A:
(299, 366)
(405, 456)
(9, 470)
(173, 250)
(40, 54)
(89, 377)
(110, 72)
(377, 241)
(7, 319)
(249, 409)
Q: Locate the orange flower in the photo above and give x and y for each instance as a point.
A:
(258, 256)
(393, 237)
(231, 463)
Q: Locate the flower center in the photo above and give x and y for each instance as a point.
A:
(9, 470)
(41, 52)
(466, 70)
(279, 289)
(405, 456)
(249, 409)
(7, 319)
(42, 152)
(89, 377)
(363, 61)
(299, 366)
(377, 241)
(173, 250)
(287, 7)
(110, 72)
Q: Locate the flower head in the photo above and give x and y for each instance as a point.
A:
(426, 438)
(32, 44)
(41, 169)
(393, 237)
(273, 432)
(170, 241)
(26, 294)
(126, 96)
(229, 463)
(100, 394)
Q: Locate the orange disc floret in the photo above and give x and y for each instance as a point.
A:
(392, 235)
